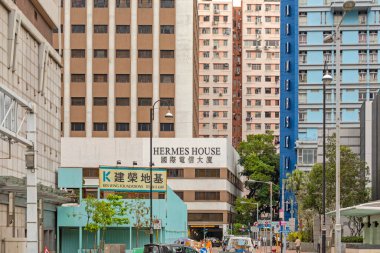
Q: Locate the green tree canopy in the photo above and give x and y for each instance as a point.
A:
(259, 157)
(353, 180)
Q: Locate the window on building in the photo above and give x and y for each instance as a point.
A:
(145, 29)
(143, 127)
(167, 3)
(122, 101)
(166, 53)
(100, 29)
(123, 3)
(145, 102)
(362, 36)
(268, 114)
(100, 101)
(257, 126)
(145, 53)
(307, 156)
(78, 53)
(302, 76)
(207, 195)
(175, 173)
(257, 115)
(179, 193)
(214, 173)
(167, 127)
(303, 57)
(167, 29)
(166, 78)
(122, 127)
(100, 126)
(78, 78)
(268, 102)
(78, 3)
(145, 3)
(100, 78)
(91, 172)
(122, 53)
(302, 38)
(122, 29)
(207, 217)
(268, 90)
(257, 102)
(144, 78)
(78, 28)
(167, 101)
(100, 3)
(373, 75)
(362, 75)
(100, 53)
(77, 126)
(122, 78)
(373, 56)
(78, 101)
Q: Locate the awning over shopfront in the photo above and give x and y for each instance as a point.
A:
(366, 209)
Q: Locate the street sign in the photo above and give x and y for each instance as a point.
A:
(254, 229)
(281, 215)
(203, 250)
(157, 224)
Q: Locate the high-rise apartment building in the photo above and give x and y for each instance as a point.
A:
(29, 85)
(260, 67)
(237, 78)
(215, 68)
(121, 56)
(304, 25)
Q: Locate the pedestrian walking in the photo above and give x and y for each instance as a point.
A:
(298, 245)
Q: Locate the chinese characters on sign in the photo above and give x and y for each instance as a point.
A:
(131, 179)
(186, 155)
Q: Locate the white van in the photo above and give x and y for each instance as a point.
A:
(240, 245)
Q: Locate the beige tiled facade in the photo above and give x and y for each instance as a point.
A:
(261, 66)
(215, 68)
(121, 56)
(35, 79)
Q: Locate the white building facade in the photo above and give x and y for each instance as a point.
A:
(203, 172)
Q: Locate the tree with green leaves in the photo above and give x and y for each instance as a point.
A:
(245, 210)
(104, 213)
(140, 212)
(353, 181)
(259, 157)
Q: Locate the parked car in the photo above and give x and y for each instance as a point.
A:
(240, 245)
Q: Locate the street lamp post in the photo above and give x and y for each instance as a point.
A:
(327, 79)
(348, 5)
(271, 207)
(167, 115)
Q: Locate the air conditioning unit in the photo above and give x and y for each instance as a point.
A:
(220, 94)
(216, 11)
(266, 47)
(248, 119)
(215, 47)
(215, 22)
